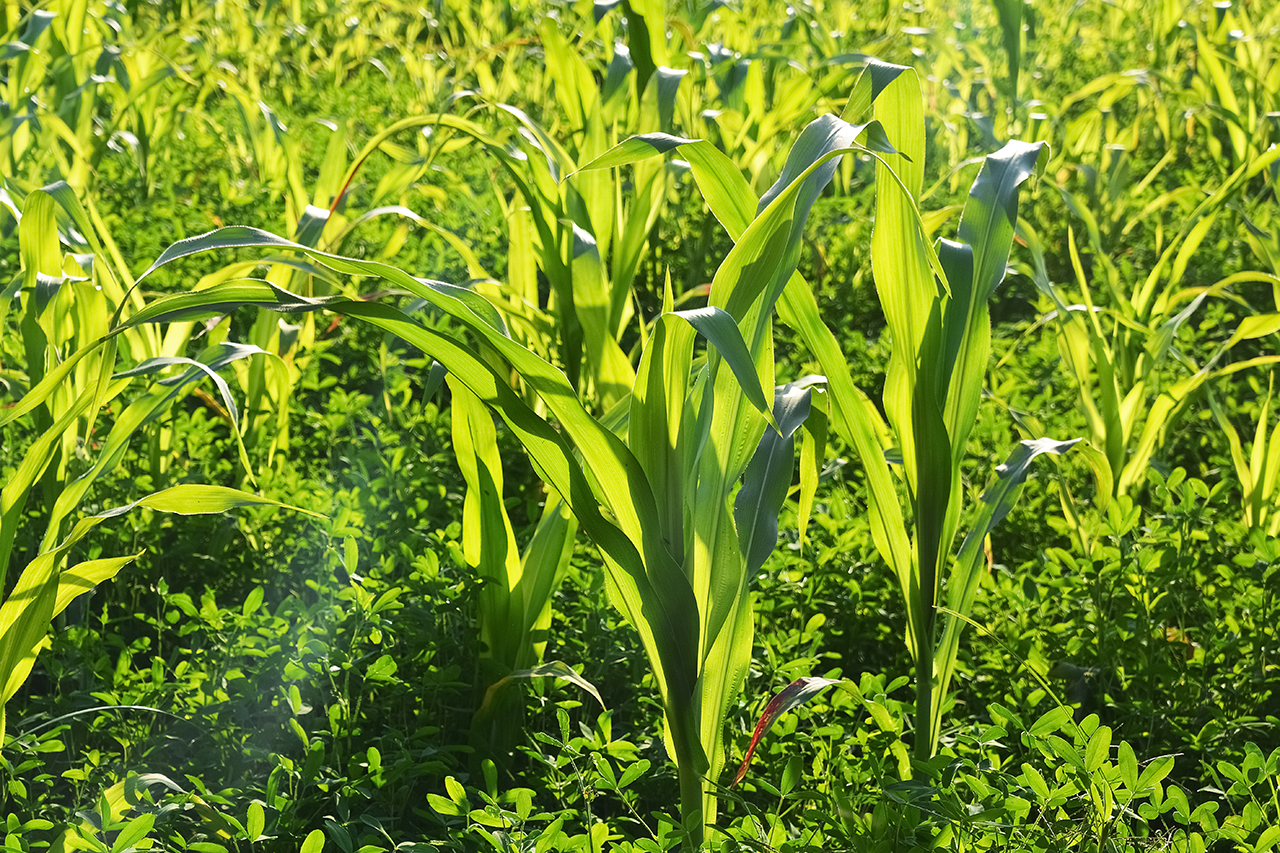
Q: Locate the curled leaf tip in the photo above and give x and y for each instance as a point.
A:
(550, 669)
(792, 696)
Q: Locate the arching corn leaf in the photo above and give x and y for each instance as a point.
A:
(768, 478)
(719, 327)
(966, 572)
(550, 669)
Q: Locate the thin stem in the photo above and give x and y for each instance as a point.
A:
(691, 787)
(924, 705)
(690, 803)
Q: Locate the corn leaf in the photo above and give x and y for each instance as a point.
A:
(789, 698)
(966, 572)
(768, 478)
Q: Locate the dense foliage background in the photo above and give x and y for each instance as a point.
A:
(263, 679)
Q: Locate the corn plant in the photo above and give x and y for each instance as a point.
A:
(580, 322)
(587, 240)
(1259, 472)
(938, 317)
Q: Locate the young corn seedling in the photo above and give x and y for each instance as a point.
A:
(936, 305)
(1259, 472)
(581, 318)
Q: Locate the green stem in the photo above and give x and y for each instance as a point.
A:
(926, 599)
(924, 703)
(691, 803)
(687, 770)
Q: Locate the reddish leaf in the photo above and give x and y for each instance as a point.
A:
(793, 695)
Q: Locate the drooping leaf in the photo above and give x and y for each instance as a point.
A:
(83, 577)
(768, 478)
(874, 79)
(792, 696)
(636, 148)
(550, 669)
(194, 499)
(966, 572)
(825, 133)
(242, 236)
(719, 327)
(991, 211)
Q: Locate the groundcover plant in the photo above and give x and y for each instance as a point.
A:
(536, 426)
